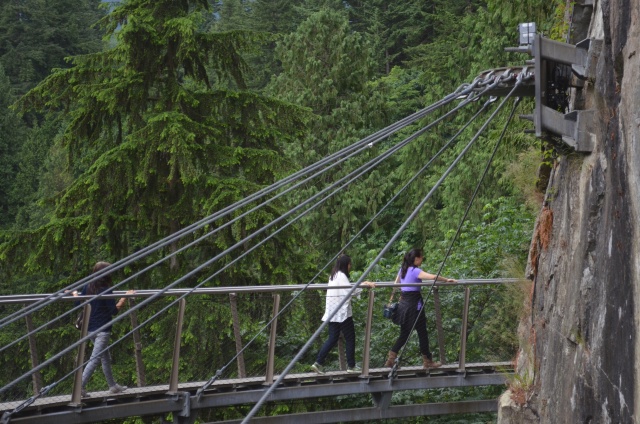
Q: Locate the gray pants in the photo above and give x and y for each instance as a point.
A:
(100, 342)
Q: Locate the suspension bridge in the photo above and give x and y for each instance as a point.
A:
(256, 371)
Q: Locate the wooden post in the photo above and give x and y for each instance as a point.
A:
(76, 395)
(367, 336)
(272, 340)
(36, 377)
(341, 356)
(175, 364)
(463, 331)
(437, 310)
(233, 298)
(137, 346)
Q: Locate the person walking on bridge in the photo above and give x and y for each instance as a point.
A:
(411, 308)
(102, 311)
(342, 320)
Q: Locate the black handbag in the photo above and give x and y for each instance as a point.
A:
(390, 311)
(78, 323)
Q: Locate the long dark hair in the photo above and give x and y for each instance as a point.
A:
(409, 260)
(104, 282)
(342, 265)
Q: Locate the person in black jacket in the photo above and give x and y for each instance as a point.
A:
(102, 311)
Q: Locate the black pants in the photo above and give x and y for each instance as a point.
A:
(349, 332)
(409, 317)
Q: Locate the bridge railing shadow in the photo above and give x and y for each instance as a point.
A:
(226, 331)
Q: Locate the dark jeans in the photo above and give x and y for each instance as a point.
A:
(349, 332)
(405, 331)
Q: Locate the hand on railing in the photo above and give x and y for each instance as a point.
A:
(369, 284)
(122, 300)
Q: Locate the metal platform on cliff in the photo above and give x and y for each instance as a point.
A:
(556, 67)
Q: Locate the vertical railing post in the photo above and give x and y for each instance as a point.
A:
(76, 395)
(438, 313)
(341, 357)
(36, 377)
(233, 299)
(272, 340)
(175, 364)
(137, 346)
(367, 336)
(463, 332)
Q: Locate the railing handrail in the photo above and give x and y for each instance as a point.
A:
(29, 298)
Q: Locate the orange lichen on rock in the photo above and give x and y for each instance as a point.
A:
(544, 227)
(541, 237)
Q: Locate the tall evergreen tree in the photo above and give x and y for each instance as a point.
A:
(160, 133)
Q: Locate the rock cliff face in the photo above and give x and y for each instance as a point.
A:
(579, 346)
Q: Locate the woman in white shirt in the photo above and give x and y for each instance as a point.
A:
(341, 321)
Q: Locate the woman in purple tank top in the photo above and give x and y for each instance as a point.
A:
(410, 308)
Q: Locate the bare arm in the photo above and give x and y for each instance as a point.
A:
(426, 276)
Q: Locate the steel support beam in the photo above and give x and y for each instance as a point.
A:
(181, 402)
(576, 128)
(567, 54)
(382, 400)
(106, 412)
(361, 386)
(368, 414)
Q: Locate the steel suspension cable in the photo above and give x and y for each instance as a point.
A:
(374, 138)
(365, 273)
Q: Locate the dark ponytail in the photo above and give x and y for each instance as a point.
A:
(409, 261)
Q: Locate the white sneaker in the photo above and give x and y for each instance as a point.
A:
(117, 389)
(354, 370)
(317, 368)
